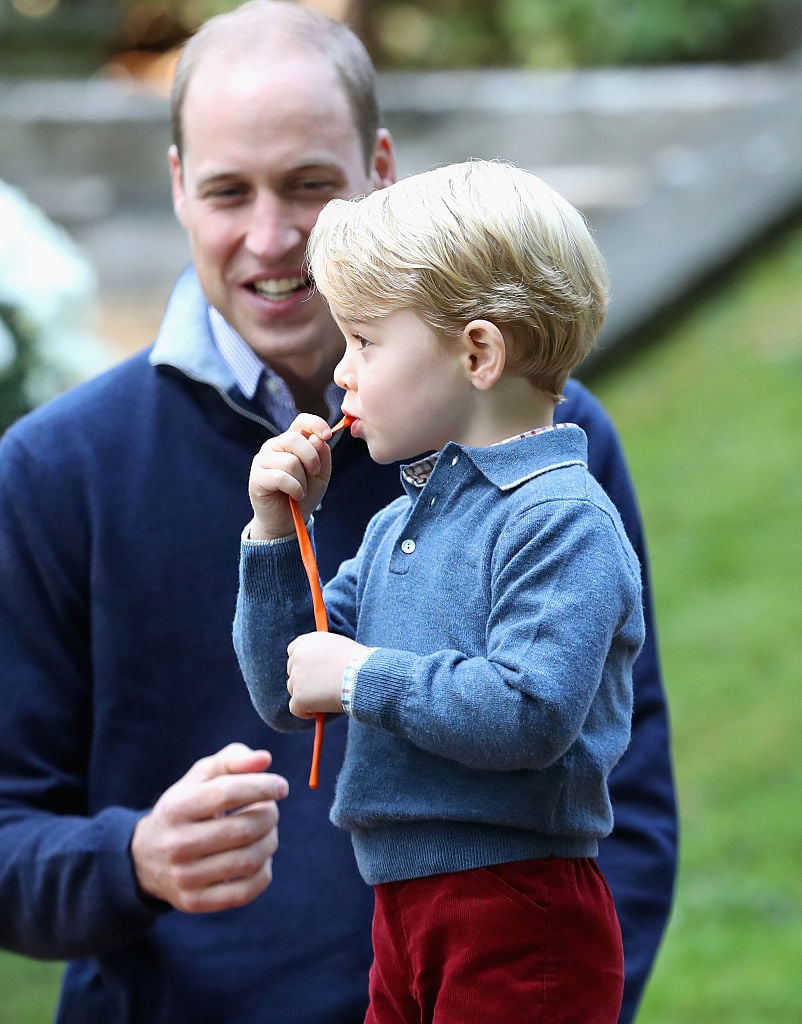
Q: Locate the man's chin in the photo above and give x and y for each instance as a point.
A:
(314, 343)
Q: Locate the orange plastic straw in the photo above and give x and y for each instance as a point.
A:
(319, 608)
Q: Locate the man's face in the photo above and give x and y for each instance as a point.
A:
(266, 144)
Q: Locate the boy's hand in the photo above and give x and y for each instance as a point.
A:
(296, 464)
(315, 666)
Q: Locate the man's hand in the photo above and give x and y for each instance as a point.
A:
(209, 841)
(315, 666)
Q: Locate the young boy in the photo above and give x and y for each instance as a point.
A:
(483, 636)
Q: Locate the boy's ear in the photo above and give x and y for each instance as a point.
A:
(485, 353)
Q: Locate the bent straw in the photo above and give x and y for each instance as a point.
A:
(319, 608)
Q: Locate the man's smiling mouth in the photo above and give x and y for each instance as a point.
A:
(279, 288)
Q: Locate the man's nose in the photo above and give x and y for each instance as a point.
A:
(271, 231)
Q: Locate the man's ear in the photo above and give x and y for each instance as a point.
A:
(177, 185)
(382, 163)
(485, 353)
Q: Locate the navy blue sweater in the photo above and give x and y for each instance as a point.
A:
(119, 673)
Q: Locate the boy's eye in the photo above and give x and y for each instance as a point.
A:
(361, 341)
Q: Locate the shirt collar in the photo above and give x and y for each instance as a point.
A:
(256, 379)
(238, 356)
(507, 469)
(417, 473)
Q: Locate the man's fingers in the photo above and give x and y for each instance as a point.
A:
(235, 845)
(228, 893)
(223, 880)
(218, 796)
(231, 760)
(232, 778)
(214, 828)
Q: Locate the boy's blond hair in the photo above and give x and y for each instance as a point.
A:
(475, 240)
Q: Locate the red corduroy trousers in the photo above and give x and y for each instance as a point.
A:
(530, 942)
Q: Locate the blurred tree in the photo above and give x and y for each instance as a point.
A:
(606, 32)
(571, 33)
(55, 37)
(78, 36)
(535, 33)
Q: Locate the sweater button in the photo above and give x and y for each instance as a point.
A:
(408, 546)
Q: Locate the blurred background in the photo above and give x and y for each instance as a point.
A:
(677, 128)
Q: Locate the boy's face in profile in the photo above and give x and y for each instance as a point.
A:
(407, 388)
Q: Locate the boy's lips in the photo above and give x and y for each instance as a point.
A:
(343, 424)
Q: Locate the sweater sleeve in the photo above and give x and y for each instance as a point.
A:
(273, 607)
(639, 859)
(67, 886)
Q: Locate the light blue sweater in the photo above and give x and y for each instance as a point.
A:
(504, 600)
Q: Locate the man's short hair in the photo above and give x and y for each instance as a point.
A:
(283, 26)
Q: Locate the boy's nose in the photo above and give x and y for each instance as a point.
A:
(343, 374)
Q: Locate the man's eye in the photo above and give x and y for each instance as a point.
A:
(316, 186)
(229, 193)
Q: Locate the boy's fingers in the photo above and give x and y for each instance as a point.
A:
(308, 424)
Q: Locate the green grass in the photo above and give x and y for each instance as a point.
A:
(712, 422)
(28, 990)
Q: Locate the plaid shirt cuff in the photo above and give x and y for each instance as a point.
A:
(349, 680)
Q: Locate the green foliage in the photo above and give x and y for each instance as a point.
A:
(571, 33)
(14, 401)
(602, 32)
(188, 12)
(76, 38)
(531, 33)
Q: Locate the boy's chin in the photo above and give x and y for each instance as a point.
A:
(383, 456)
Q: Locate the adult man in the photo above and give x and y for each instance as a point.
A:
(119, 677)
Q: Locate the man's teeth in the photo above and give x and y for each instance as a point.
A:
(279, 288)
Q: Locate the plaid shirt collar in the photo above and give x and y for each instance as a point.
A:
(417, 473)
